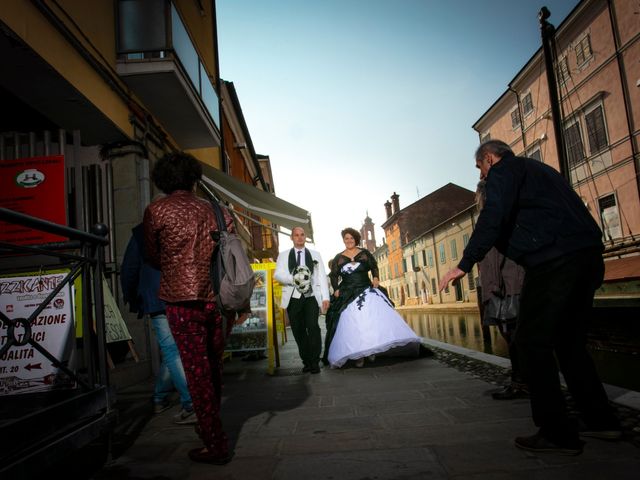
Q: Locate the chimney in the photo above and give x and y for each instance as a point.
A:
(387, 207)
(395, 198)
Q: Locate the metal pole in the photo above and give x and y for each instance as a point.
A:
(548, 37)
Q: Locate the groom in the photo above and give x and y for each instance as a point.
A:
(303, 306)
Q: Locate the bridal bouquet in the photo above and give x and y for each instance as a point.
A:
(302, 279)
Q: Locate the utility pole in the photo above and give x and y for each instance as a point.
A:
(548, 43)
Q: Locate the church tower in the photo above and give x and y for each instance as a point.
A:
(368, 235)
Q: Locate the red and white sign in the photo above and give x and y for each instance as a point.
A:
(33, 186)
(24, 369)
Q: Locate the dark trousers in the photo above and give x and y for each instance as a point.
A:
(508, 332)
(198, 330)
(303, 317)
(555, 309)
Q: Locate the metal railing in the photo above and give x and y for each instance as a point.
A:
(51, 424)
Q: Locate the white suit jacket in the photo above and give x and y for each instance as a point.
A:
(285, 278)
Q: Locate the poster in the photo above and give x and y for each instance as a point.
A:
(22, 368)
(115, 328)
(36, 187)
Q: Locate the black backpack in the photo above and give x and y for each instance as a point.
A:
(232, 278)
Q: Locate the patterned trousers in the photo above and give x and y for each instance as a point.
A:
(198, 331)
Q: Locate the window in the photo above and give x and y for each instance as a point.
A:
(563, 71)
(596, 131)
(443, 257)
(610, 217)
(535, 154)
(266, 238)
(472, 283)
(515, 118)
(424, 257)
(573, 138)
(485, 138)
(430, 257)
(393, 245)
(395, 268)
(583, 50)
(404, 265)
(527, 104)
(454, 249)
(433, 286)
(465, 240)
(414, 261)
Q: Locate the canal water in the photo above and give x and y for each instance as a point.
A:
(614, 340)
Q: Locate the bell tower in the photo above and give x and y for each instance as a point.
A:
(368, 235)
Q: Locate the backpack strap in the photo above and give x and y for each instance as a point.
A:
(220, 220)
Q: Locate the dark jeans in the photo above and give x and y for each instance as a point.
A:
(303, 317)
(555, 308)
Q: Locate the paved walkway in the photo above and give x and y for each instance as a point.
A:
(395, 419)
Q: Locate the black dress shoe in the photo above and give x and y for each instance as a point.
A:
(510, 392)
(306, 369)
(315, 369)
(539, 444)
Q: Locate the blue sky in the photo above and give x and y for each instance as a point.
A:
(354, 100)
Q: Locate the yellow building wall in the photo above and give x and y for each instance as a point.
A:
(96, 18)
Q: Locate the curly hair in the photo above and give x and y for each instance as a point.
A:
(176, 171)
(353, 232)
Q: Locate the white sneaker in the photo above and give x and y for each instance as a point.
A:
(185, 417)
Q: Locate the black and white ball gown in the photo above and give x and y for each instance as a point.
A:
(362, 321)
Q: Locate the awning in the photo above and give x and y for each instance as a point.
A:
(259, 202)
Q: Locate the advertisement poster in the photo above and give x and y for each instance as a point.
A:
(36, 187)
(23, 369)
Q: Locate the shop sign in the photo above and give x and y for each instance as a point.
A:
(33, 186)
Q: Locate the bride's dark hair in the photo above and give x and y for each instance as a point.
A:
(353, 232)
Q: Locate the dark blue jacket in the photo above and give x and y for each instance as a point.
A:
(531, 215)
(140, 281)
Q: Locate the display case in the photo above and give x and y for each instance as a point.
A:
(252, 334)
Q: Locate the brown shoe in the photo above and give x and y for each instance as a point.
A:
(203, 455)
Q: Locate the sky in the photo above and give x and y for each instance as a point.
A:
(354, 100)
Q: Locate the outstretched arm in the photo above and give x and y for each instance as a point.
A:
(451, 275)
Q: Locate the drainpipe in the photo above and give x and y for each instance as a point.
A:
(625, 89)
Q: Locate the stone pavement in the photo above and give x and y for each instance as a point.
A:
(394, 419)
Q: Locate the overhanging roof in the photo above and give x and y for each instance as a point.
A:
(259, 202)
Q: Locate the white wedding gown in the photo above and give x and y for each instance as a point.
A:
(369, 325)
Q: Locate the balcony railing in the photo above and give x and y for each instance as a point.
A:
(159, 61)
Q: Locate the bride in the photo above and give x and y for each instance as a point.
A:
(361, 320)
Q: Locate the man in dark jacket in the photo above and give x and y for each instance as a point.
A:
(533, 216)
(140, 283)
